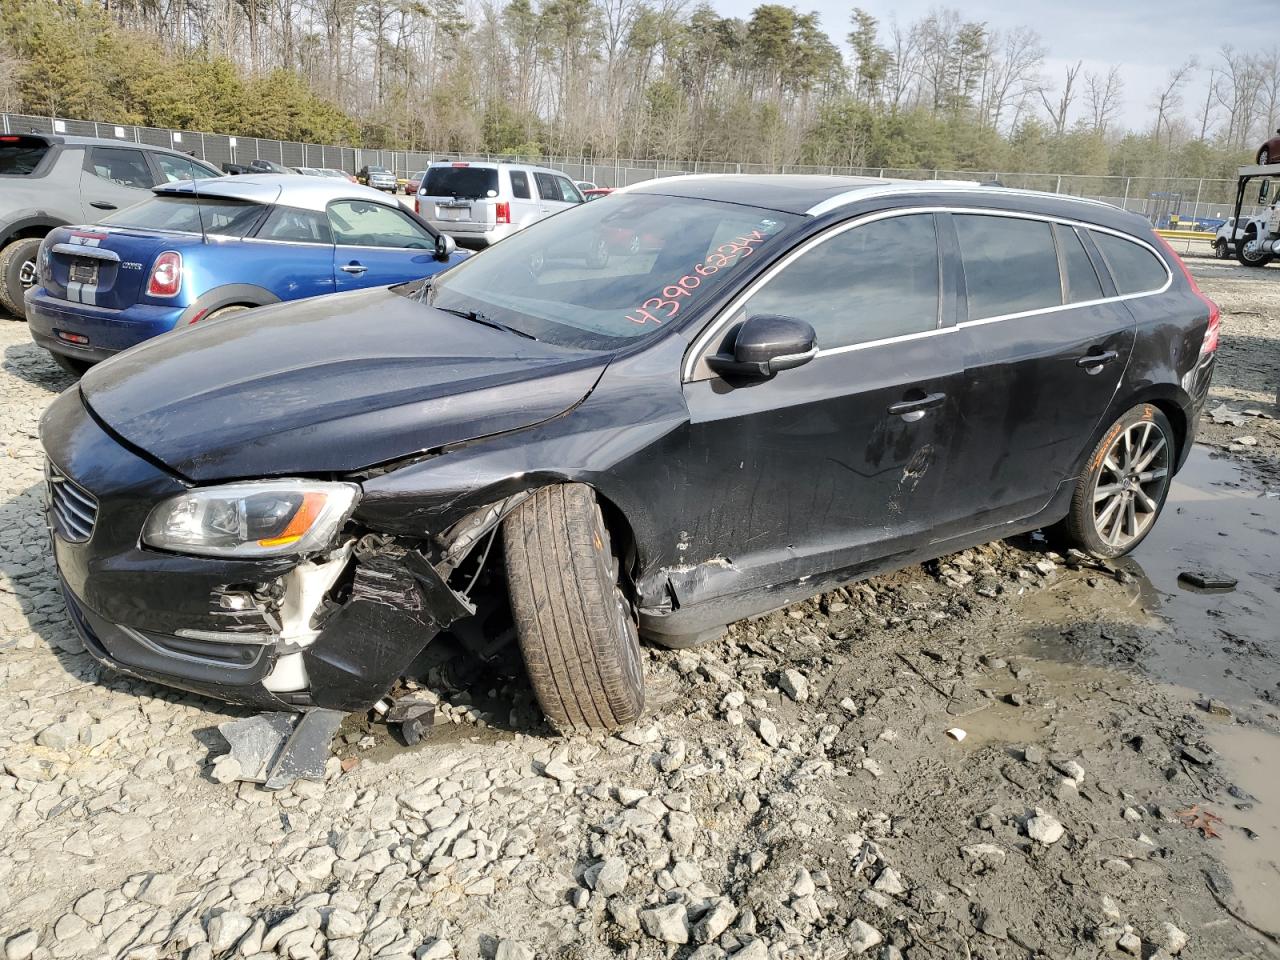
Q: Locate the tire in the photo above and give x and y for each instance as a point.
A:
(71, 364)
(17, 273)
(576, 627)
(1244, 258)
(227, 311)
(1263, 157)
(598, 258)
(1220, 249)
(1106, 531)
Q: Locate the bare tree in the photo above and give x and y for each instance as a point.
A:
(1013, 63)
(1102, 95)
(1059, 109)
(1169, 98)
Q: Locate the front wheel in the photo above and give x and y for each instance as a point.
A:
(1124, 485)
(575, 622)
(1264, 157)
(1220, 249)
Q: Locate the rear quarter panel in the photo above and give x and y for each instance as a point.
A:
(290, 271)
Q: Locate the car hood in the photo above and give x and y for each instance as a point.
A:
(328, 385)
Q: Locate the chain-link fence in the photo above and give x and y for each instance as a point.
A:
(1182, 202)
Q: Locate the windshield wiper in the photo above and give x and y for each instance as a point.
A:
(477, 317)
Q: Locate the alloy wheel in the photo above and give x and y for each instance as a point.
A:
(27, 274)
(1131, 485)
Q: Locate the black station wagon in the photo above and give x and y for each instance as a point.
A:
(689, 402)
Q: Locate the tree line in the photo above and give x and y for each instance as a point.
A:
(649, 79)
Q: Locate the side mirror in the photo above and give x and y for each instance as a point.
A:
(445, 246)
(765, 344)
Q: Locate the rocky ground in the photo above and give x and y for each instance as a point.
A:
(977, 757)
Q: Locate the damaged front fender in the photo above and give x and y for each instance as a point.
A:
(398, 603)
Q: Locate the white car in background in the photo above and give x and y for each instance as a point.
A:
(479, 204)
(1224, 241)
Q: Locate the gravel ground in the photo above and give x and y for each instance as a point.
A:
(795, 792)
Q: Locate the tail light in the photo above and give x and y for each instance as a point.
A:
(1212, 332)
(502, 212)
(166, 275)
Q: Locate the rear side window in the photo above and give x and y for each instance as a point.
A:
(520, 185)
(295, 226)
(1134, 268)
(1082, 279)
(464, 183)
(20, 156)
(858, 286)
(548, 189)
(1010, 265)
(228, 218)
(128, 168)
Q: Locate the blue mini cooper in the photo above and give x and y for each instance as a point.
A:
(195, 251)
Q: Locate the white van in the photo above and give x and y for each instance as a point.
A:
(480, 203)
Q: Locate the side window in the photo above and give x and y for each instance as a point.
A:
(1010, 265)
(174, 168)
(520, 185)
(1134, 268)
(568, 192)
(547, 188)
(858, 286)
(360, 223)
(125, 167)
(295, 226)
(1082, 279)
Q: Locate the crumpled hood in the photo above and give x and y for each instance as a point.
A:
(328, 385)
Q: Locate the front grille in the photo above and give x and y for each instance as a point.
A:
(74, 511)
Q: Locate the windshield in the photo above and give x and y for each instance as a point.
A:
(232, 218)
(468, 183)
(603, 274)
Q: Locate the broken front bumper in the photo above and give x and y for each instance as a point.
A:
(199, 623)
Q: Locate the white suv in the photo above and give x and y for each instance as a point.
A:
(481, 203)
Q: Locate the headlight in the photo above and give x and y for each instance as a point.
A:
(258, 518)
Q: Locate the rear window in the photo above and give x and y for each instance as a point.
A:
(1134, 268)
(20, 156)
(231, 218)
(1082, 279)
(467, 183)
(1010, 265)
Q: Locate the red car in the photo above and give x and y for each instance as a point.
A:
(1269, 152)
(414, 183)
(596, 193)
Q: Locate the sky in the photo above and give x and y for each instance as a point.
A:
(1146, 38)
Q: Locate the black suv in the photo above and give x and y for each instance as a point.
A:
(53, 181)
(788, 383)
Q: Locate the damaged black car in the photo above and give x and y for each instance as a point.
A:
(691, 402)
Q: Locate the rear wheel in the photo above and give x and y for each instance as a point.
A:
(1264, 157)
(17, 274)
(1124, 486)
(576, 627)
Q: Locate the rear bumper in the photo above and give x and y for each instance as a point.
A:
(107, 331)
(474, 234)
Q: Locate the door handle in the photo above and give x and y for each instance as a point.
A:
(1096, 359)
(353, 267)
(913, 410)
(102, 205)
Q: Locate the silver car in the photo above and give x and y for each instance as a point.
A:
(481, 203)
(380, 178)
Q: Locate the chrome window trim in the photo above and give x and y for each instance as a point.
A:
(696, 353)
(897, 187)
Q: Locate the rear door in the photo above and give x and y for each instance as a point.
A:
(524, 206)
(1046, 343)
(377, 245)
(113, 178)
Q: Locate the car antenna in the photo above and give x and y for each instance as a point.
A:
(195, 192)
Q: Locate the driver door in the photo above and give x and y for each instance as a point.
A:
(835, 465)
(376, 245)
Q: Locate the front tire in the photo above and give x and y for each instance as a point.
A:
(1220, 249)
(18, 273)
(1123, 488)
(576, 627)
(1242, 254)
(1264, 157)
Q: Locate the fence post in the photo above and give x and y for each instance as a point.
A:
(1058, 188)
(1195, 213)
(1125, 203)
